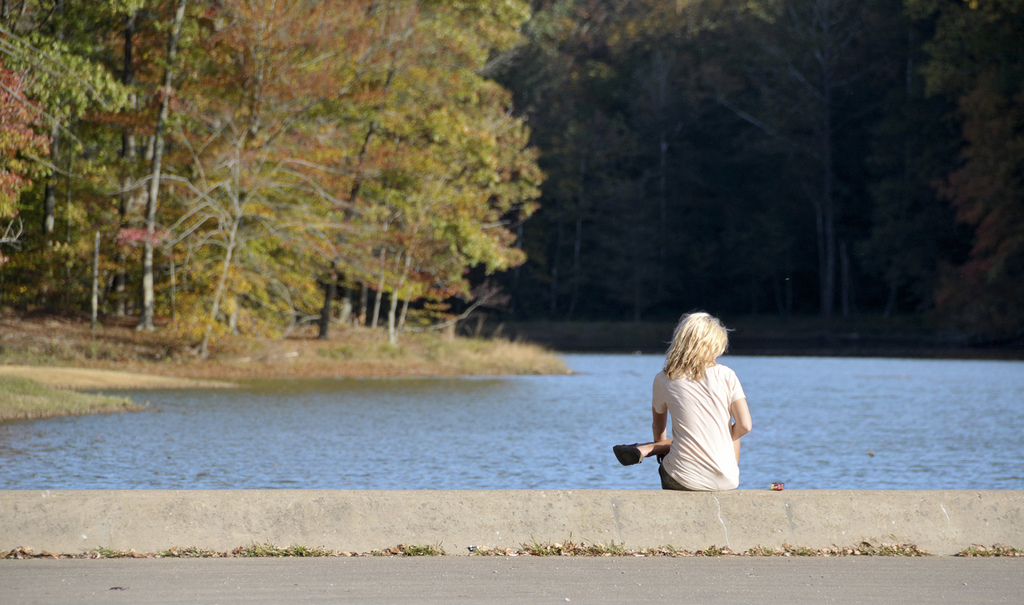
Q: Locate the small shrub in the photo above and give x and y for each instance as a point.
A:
(569, 548)
(422, 551)
(269, 550)
(389, 351)
(997, 550)
(715, 551)
(188, 553)
(337, 353)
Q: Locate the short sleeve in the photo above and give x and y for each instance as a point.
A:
(735, 389)
(659, 399)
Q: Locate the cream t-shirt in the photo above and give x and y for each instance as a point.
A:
(702, 456)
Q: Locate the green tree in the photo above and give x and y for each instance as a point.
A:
(19, 144)
(164, 96)
(356, 134)
(443, 170)
(60, 48)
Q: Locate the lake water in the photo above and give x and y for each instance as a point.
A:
(819, 423)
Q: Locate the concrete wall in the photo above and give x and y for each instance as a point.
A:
(940, 522)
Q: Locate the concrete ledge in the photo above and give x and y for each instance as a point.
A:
(940, 522)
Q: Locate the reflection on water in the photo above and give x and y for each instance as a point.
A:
(818, 423)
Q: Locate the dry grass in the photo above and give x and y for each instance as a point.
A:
(569, 548)
(996, 550)
(253, 550)
(22, 398)
(350, 352)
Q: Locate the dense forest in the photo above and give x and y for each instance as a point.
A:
(827, 157)
(247, 165)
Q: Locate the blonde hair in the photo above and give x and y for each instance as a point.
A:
(698, 340)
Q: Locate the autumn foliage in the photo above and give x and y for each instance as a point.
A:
(20, 144)
(298, 143)
(253, 166)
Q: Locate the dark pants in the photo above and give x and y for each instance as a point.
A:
(667, 482)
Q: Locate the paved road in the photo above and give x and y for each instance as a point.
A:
(454, 579)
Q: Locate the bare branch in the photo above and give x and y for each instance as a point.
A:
(12, 233)
(721, 100)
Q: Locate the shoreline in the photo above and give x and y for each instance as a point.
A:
(805, 337)
(90, 379)
(66, 353)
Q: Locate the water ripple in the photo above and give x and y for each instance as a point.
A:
(820, 423)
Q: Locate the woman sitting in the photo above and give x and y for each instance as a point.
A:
(708, 409)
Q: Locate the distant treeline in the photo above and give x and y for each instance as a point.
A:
(829, 157)
(249, 166)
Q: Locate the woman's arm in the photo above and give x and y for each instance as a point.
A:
(659, 425)
(741, 414)
(741, 423)
(662, 443)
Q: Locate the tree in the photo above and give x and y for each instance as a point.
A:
(166, 92)
(912, 227)
(262, 161)
(635, 157)
(58, 48)
(356, 134)
(442, 170)
(19, 143)
(807, 59)
(976, 59)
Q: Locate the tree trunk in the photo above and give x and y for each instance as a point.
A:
(890, 301)
(174, 294)
(828, 277)
(346, 307)
(330, 292)
(146, 315)
(121, 277)
(380, 290)
(405, 308)
(635, 279)
(844, 265)
(577, 265)
(392, 318)
(392, 333)
(515, 272)
(221, 288)
(364, 302)
(577, 268)
(556, 260)
(50, 192)
(128, 154)
(662, 212)
(95, 299)
(67, 231)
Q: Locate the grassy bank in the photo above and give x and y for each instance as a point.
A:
(22, 398)
(349, 352)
